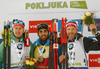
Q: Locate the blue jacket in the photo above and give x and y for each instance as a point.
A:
(41, 43)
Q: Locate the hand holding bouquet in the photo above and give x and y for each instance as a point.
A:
(89, 21)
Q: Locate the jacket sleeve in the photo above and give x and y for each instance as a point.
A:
(31, 49)
(91, 45)
(1, 54)
(34, 47)
(98, 38)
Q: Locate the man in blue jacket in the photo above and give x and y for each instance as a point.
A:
(41, 46)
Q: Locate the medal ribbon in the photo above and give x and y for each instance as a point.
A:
(40, 51)
(18, 51)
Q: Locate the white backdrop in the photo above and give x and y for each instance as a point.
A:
(16, 9)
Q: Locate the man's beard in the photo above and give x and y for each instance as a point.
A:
(44, 40)
(73, 36)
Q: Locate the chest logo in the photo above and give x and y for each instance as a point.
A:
(20, 46)
(71, 46)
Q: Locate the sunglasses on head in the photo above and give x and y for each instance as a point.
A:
(70, 21)
(20, 22)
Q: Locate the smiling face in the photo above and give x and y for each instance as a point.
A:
(43, 34)
(18, 31)
(71, 32)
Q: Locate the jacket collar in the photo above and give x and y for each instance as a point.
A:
(78, 37)
(40, 43)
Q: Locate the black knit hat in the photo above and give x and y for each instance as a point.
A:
(42, 26)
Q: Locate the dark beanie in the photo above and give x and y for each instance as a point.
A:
(42, 26)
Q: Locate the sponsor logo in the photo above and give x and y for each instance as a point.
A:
(61, 4)
(79, 64)
(78, 4)
(55, 46)
(42, 5)
(71, 46)
(94, 60)
(97, 60)
(33, 25)
(20, 46)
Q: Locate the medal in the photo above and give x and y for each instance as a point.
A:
(20, 64)
(40, 59)
(41, 50)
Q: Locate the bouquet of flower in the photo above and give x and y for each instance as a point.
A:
(30, 63)
(88, 19)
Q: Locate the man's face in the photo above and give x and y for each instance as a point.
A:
(18, 31)
(71, 32)
(43, 34)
